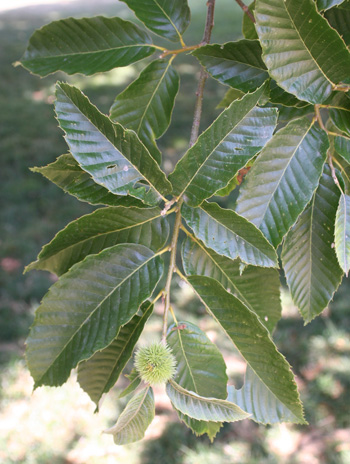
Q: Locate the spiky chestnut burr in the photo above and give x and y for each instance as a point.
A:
(155, 363)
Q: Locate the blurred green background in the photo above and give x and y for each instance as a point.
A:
(57, 426)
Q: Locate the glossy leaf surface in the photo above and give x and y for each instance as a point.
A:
(309, 260)
(99, 230)
(225, 147)
(98, 374)
(229, 234)
(112, 155)
(202, 408)
(86, 46)
(301, 51)
(342, 147)
(342, 233)
(252, 340)
(155, 91)
(166, 18)
(200, 368)
(327, 4)
(237, 64)
(341, 119)
(254, 287)
(283, 178)
(135, 419)
(339, 19)
(83, 312)
(66, 173)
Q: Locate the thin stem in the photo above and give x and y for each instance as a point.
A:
(203, 75)
(179, 50)
(171, 269)
(160, 294)
(330, 159)
(194, 135)
(319, 117)
(173, 314)
(163, 49)
(181, 275)
(246, 10)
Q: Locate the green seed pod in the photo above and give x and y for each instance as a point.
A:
(155, 363)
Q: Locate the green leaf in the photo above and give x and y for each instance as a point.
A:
(248, 27)
(287, 113)
(86, 45)
(342, 233)
(83, 312)
(254, 287)
(98, 374)
(155, 91)
(309, 261)
(342, 147)
(200, 368)
(339, 19)
(66, 173)
(135, 419)
(237, 64)
(225, 147)
(229, 234)
(135, 381)
(112, 155)
(201, 408)
(200, 365)
(230, 96)
(99, 230)
(255, 398)
(283, 179)
(301, 51)
(281, 97)
(341, 119)
(200, 427)
(252, 340)
(327, 4)
(167, 19)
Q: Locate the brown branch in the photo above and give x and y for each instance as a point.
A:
(203, 74)
(246, 10)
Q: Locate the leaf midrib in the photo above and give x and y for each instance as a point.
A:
(153, 95)
(214, 149)
(236, 60)
(301, 39)
(221, 270)
(227, 405)
(268, 334)
(186, 360)
(169, 19)
(137, 410)
(262, 217)
(240, 237)
(93, 237)
(93, 52)
(109, 141)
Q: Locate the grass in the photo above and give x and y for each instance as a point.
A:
(58, 425)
